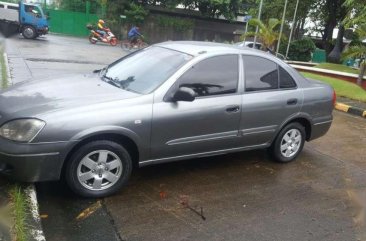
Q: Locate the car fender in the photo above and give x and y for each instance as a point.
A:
(290, 119)
(100, 130)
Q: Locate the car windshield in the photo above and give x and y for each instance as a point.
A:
(145, 70)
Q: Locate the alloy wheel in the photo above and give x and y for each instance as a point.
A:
(99, 170)
(291, 142)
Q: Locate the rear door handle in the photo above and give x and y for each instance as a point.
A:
(232, 109)
(292, 101)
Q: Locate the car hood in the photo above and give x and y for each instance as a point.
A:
(37, 97)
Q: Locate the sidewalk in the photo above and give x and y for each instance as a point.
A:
(32, 220)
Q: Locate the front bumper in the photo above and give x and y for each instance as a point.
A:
(31, 162)
(43, 31)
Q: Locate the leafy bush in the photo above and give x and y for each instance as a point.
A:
(300, 50)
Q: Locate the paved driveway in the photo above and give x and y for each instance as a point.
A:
(242, 196)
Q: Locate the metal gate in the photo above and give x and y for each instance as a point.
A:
(71, 23)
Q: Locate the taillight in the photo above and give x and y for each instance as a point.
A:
(334, 98)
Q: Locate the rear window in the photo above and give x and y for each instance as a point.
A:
(260, 74)
(286, 81)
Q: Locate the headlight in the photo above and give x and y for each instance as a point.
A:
(22, 130)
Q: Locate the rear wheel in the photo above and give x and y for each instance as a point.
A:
(92, 40)
(126, 45)
(289, 143)
(29, 32)
(98, 169)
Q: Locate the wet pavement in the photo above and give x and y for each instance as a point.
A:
(242, 196)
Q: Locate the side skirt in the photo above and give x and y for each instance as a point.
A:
(203, 154)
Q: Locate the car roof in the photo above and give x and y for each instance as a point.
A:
(197, 47)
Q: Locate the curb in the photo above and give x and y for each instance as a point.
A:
(350, 109)
(35, 227)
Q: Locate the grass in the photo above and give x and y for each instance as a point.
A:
(4, 76)
(20, 206)
(337, 67)
(341, 87)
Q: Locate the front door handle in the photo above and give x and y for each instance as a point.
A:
(292, 101)
(232, 109)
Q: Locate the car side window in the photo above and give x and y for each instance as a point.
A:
(260, 73)
(213, 76)
(286, 81)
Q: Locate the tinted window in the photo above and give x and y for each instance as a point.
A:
(213, 76)
(12, 7)
(260, 74)
(1, 6)
(286, 81)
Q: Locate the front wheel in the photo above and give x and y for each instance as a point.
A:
(289, 143)
(98, 169)
(113, 42)
(29, 32)
(143, 45)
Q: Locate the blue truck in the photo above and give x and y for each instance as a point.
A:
(25, 18)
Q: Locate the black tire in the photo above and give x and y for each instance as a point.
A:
(275, 149)
(83, 188)
(29, 32)
(91, 40)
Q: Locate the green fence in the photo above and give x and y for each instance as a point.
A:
(71, 23)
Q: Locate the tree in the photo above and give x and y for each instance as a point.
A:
(358, 51)
(356, 12)
(274, 9)
(267, 34)
(135, 14)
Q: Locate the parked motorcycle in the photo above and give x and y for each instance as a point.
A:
(95, 37)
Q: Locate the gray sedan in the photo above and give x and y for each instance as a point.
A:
(168, 102)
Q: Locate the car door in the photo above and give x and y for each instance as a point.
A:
(271, 96)
(207, 124)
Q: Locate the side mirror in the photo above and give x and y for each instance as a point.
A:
(184, 94)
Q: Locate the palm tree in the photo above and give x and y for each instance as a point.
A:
(358, 51)
(266, 34)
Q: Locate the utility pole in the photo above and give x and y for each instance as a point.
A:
(283, 22)
(247, 18)
(259, 18)
(292, 29)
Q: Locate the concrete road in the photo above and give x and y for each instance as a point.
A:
(242, 196)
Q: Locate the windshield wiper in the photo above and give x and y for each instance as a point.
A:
(112, 81)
